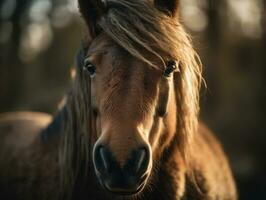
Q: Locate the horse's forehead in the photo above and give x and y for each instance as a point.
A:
(118, 65)
(116, 59)
(100, 43)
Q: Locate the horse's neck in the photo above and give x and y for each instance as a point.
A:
(54, 129)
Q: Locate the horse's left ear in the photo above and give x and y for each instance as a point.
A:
(170, 7)
(91, 11)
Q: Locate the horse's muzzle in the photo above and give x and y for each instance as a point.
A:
(127, 180)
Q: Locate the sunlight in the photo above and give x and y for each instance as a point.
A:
(63, 14)
(247, 14)
(39, 10)
(193, 15)
(35, 39)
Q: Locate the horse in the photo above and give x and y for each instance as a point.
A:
(129, 127)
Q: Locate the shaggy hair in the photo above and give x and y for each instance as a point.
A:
(135, 25)
(75, 151)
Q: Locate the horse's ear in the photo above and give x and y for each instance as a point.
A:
(91, 11)
(170, 7)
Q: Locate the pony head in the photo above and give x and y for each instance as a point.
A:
(143, 78)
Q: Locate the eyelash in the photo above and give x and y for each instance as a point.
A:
(89, 68)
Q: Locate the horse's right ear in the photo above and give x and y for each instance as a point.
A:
(91, 11)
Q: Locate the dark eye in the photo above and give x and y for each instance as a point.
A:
(89, 68)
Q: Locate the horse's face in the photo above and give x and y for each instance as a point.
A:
(125, 93)
(126, 96)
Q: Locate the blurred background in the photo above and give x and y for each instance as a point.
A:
(39, 38)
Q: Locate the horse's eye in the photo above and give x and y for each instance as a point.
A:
(89, 68)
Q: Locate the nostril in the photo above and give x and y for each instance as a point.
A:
(103, 155)
(139, 161)
(102, 159)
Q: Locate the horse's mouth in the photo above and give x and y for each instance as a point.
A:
(124, 187)
(125, 192)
